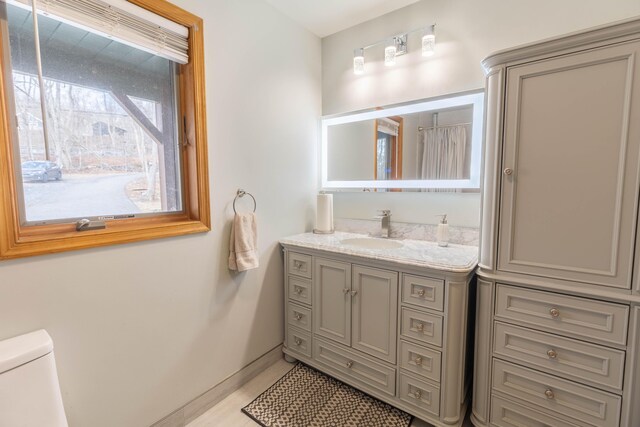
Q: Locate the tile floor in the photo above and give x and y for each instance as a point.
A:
(227, 412)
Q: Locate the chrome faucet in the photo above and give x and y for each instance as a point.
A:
(385, 216)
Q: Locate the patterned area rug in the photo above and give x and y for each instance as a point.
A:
(304, 397)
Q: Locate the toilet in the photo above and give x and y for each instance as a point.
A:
(29, 390)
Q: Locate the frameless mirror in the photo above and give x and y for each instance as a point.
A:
(428, 144)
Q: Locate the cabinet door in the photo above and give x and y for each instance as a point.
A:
(570, 167)
(374, 298)
(332, 300)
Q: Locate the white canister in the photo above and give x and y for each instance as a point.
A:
(324, 214)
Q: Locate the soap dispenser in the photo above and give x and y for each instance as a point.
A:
(442, 233)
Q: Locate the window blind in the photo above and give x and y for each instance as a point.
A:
(121, 21)
(388, 126)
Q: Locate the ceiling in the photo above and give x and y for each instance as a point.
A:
(326, 17)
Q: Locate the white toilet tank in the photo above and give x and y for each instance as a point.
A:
(29, 389)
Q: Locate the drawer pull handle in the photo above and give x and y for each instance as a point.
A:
(297, 265)
(349, 364)
(554, 312)
(417, 394)
(298, 316)
(421, 293)
(418, 360)
(298, 341)
(549, 393)
(420, 327)
(354, 293)
(297, 290)
(552, 354)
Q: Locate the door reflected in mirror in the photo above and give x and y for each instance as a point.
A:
(431, 144)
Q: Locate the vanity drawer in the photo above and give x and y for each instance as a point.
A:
(299, 316)
(565, 357)
(423, 291)
(505, 413)
(299, 341)
(420, 360)
(563, 314)
(299, 264)
(421, 326)
(575, 401)
(359, 369)
(300, 290)
(420, 394)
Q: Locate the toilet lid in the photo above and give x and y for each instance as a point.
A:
(23, 349)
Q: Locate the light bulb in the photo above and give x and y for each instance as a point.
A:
(390, 53)
(358, 61)
(429, 41)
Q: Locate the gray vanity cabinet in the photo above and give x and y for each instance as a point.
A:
(398, 332)
(332, 295)
(570, 169)
(557, 322)
(357, 306)
(374, 318)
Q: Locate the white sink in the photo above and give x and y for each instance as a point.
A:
(372, 243)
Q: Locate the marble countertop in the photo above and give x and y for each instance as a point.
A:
(418, 253)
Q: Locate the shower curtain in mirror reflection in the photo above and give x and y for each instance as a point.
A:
(441, 154)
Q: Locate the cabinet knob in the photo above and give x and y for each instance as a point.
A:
(418, 360)
(417, 394)
(297, 265)
(421, 292)
(345, 290)
(508, 171)
(554, 312)
(420, 327)
(297, 290)
(549, 393)
(349, 363)
(298, 316)
(298, 341)
(353, 293)
(552, 354)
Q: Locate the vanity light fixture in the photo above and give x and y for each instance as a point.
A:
(396, 46)
(358, 61)
(390, 51)
(429, 41)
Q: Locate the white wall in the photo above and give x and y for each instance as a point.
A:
(350, 151)
(141, 329)
(467, 31)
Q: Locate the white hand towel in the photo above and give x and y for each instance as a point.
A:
(243, 244)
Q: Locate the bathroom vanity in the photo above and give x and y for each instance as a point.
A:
(558, 298)
(388, 317)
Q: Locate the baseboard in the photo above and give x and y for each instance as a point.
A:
(201, 404)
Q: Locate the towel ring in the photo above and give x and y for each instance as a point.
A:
(241, 193)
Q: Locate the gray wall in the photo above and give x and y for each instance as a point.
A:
(140, 329)
(467, 31)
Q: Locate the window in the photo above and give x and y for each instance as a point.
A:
(388, 150)
(101, 119)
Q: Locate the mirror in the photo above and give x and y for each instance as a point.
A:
(428, 144)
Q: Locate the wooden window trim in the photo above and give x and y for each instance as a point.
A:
(397, 150)
(20, 241)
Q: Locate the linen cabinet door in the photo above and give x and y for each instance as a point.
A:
(332, 300)
(374, 299)
(570, 167)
